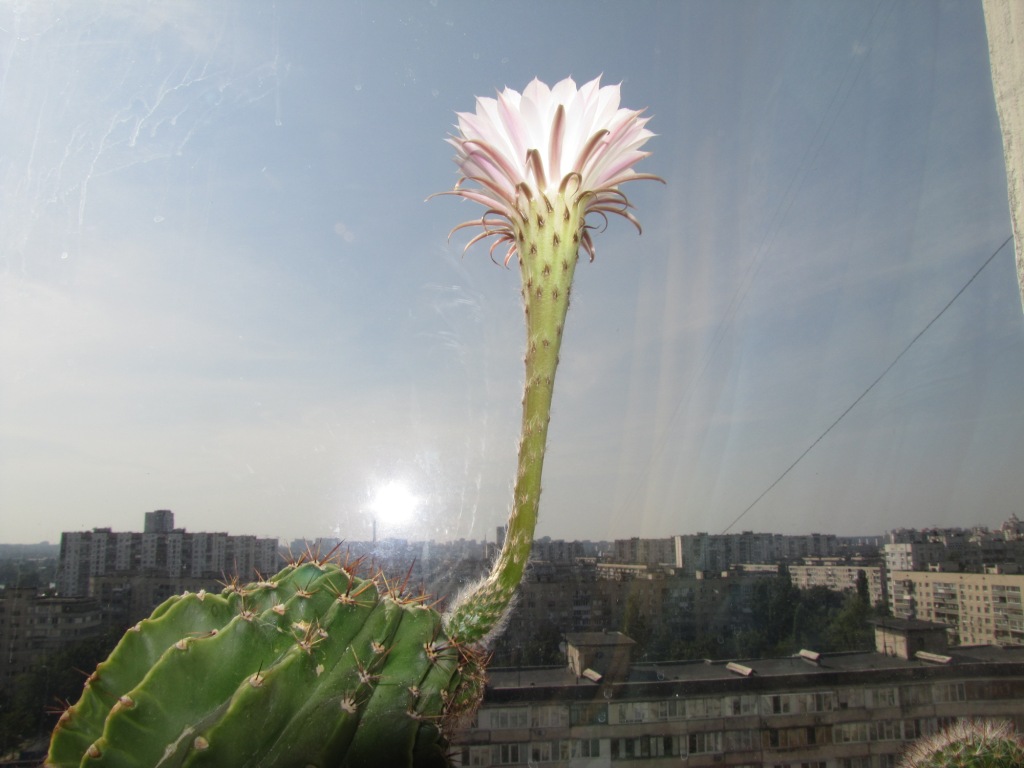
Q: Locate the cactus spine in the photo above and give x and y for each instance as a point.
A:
(968, 744)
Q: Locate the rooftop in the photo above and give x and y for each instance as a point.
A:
(598, 638)
(704, 675)
(904, 625)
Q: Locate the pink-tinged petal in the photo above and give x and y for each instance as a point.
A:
(564, 91)
(537, 167)
(588, 89)
(533, 125)
(537, 92)
(587, 153)
(480, 197)
(502, 162)
(508, 109)
(555, 142)
(520, 148)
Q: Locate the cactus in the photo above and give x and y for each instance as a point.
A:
(314, 666)
(317, 666)
(968, 744)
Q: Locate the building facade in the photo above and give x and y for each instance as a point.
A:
(842, 577)
(978, 608)
(33, 626)
(704, 552)
(163, 550)
(853, 710)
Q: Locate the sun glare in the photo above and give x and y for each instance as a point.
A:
(394, 504)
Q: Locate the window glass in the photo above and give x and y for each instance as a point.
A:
(229, 297)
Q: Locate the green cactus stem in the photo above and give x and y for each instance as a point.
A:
(312, 667)
(548, 240)
(968, 744)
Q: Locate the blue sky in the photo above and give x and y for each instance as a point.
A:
(222, 291)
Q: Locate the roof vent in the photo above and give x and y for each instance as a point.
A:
(739, 669)
(934, 658)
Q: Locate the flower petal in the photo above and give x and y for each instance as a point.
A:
(543, 142)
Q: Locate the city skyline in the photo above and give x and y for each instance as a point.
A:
(222, 292)
(897, 533)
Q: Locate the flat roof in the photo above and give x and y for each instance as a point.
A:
(891, 622)
(703, 675)
(598, 638)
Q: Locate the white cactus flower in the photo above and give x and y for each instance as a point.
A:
(520, 149)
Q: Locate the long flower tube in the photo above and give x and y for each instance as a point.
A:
(541, 162)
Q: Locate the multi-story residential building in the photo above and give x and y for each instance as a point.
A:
(557, 550)
(718, 552)
(1012, 529)
(160, 549)
(849, 710)
(956, 549)
(919, 556)
(32, 626)
(841, 577)
(126, 598)
(976, 607)
(644, 551)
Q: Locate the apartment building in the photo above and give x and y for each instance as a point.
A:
(850, 710)
(977, 608)
(718, 552)
(842, 576)
(33, 626)
(644, 551)
(971, 550)
(160, 549)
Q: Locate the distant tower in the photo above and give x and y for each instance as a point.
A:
(500, 538)
(160, 521)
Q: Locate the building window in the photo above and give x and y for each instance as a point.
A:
(477, 756)
(944, 692)
(504, 718)
(541, 752)
(549, 716)
(507, 754)
(736, 706)
(883, 697)
(702, 743)
(740, 741)
(588, 714)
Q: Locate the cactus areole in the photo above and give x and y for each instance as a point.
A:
(318, 666)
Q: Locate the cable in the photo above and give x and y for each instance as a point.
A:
(870, 387)
(817, 141)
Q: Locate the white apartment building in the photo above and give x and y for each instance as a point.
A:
(162, 550)
(976, 607)
(842, 577)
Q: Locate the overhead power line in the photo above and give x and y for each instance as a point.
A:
(871, 386)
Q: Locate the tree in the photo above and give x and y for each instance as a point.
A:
(636, 626)
(849, 630)
(37, 698)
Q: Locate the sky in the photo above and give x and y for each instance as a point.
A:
(224, 292)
